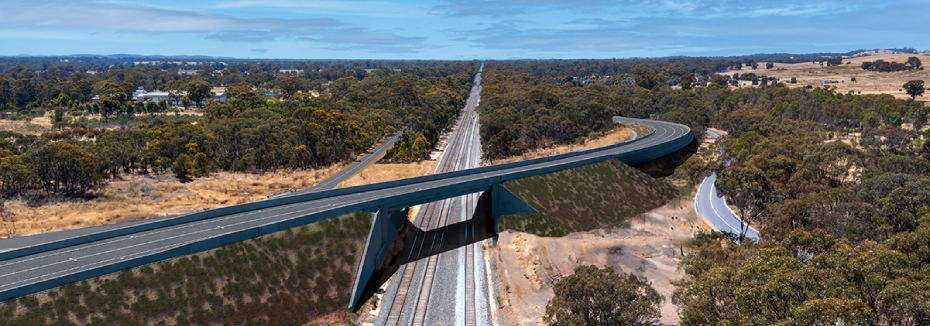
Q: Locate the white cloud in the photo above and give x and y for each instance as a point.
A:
(130, 17)
(122, 17)
(358, 8)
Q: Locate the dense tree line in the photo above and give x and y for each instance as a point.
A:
(844, 226)
(248, 133)
(885, 66)
(521, 112)
(28, 84)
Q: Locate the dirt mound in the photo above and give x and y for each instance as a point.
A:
(585, 198)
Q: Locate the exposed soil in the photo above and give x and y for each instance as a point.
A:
(528, 266)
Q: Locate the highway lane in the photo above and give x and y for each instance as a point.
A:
(49, 269)
(714, 208)
(355, 167)
(329, 183)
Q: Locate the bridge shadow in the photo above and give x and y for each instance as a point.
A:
(666, 165)
(414, 245)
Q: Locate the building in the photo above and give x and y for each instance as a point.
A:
(176, 100)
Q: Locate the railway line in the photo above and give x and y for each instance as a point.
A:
(59, 258)
(411, 303)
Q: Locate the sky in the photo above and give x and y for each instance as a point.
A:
(459, 29)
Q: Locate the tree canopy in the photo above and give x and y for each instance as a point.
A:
(593, 296)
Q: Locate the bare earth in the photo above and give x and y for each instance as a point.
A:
(528, 266)
(867, 82)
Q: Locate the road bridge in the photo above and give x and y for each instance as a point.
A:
(78, 256)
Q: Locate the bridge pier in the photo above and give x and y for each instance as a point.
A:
(492, 204)
(384, 227)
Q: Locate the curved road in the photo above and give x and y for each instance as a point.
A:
(82, 260)
(714, 208)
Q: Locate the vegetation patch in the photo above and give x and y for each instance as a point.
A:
(286, 278)
(584, 198)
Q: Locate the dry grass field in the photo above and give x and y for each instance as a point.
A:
(34, 126)
(867, 82)
(141, 197)
(616, 135)
(381, 172)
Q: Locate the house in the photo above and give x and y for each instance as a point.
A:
(166, 96)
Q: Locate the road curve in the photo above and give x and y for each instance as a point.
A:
(63, 261)
(714, 208)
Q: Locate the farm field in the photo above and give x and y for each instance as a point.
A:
(867, 82)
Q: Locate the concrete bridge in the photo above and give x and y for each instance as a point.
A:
(37, 263)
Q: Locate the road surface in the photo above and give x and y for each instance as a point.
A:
(714, 208)
(355, 167)
(80, 260)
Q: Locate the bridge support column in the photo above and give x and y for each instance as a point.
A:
(496, 202)
(384, 227)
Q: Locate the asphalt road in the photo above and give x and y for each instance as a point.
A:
(714, 208)
(329, 183)
(355, 167)
(49, 269)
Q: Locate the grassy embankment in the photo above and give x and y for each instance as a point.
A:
(585, 198)
(286, 278)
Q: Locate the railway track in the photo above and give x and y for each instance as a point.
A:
(416, 282)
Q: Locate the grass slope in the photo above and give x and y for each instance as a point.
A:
(285, 278)
(584, 198)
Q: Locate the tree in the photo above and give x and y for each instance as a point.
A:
(914, 62)
(593, 296)
(749, 189)
(182, 167)
(186, 102)
(112, 98)
(8, 219)
(794, 80)
(645, 77)
(769, 65)
(914, 88)
(198, 91)
(719, 80)
(65, 166)
(686, 80)
(290, 85)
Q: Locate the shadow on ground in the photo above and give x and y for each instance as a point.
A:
(413, 245)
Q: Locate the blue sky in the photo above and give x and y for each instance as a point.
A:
(458, 29)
